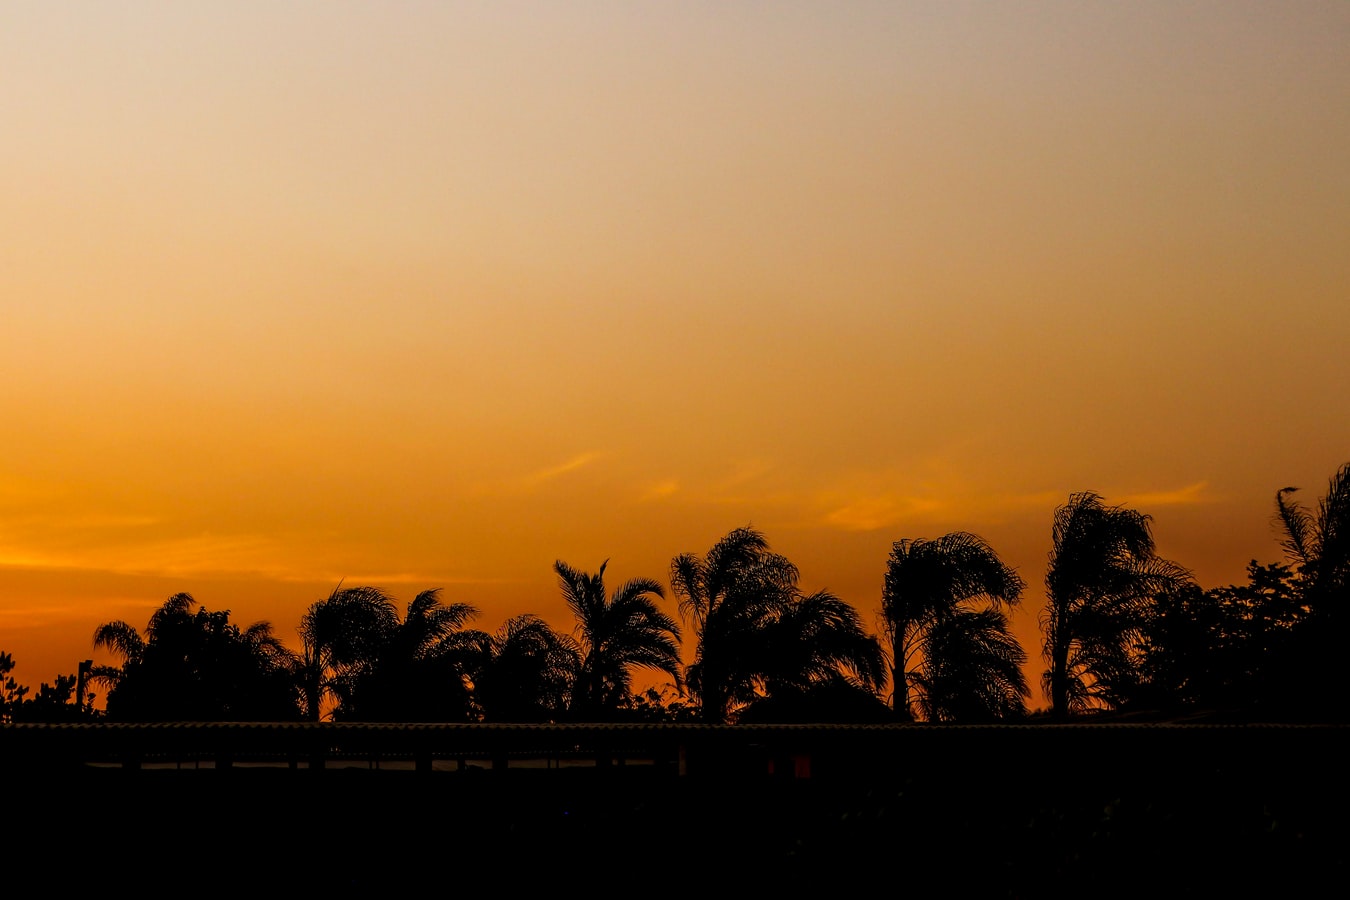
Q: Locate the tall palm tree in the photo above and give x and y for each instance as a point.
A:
(616, 634)
(758, 634)
(941, 615)
(1103, 574)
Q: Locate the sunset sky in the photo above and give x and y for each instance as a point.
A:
(431, 294)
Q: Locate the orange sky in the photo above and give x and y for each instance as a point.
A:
(426, 294)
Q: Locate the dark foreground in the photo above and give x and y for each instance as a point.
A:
(1020, 812)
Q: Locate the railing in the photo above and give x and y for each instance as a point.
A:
(834, 751)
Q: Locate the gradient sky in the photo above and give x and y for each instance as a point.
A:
(431, 294)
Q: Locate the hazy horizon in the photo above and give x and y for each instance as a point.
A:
(431, 295)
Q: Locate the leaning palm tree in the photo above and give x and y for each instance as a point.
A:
(931, 612)
(1103, 574)
(616, 634)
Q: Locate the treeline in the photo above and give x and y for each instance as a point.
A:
(1123, 629)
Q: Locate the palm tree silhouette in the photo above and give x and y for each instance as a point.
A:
(973, 670)
(616, 634)
(730, 595)
(1318, 544)
(377, 666)
(758, 634)
(341, 638)
(942, 614)
(524, 672)
(818, 661)
(1102, 576)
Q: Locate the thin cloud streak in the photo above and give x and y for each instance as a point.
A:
(1189, 495)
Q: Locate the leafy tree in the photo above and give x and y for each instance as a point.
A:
(11, 692)
(57, 703)
(1221, 649)
(193, 664)
(616, 634)
(952, 655)
(758, 634)
(1103, 574)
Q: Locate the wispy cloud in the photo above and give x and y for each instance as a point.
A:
(660, 490)
(543, 476)
(1189, 495)
(873, 513)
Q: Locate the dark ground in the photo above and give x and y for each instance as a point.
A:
(974, 811)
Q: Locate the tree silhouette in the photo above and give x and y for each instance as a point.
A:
(973, 670)
(818, 664)
(192, 664)
(730, 595)
(616, 634)
(1102, 576)
(1318, 544)
(757, 633)
(1224, 649)
(525, 672)
(11, 692)
(342, 637)
(386, 669)
(949, 639)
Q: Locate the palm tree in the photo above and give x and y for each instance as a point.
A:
(1103, 574)
(819, 638)
(730, 595)
(1318, 544)
(972, 670)
(616, 634)
(377, 666)
(341, 638)
(525, 672)
(941, 614)
(758, 634)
